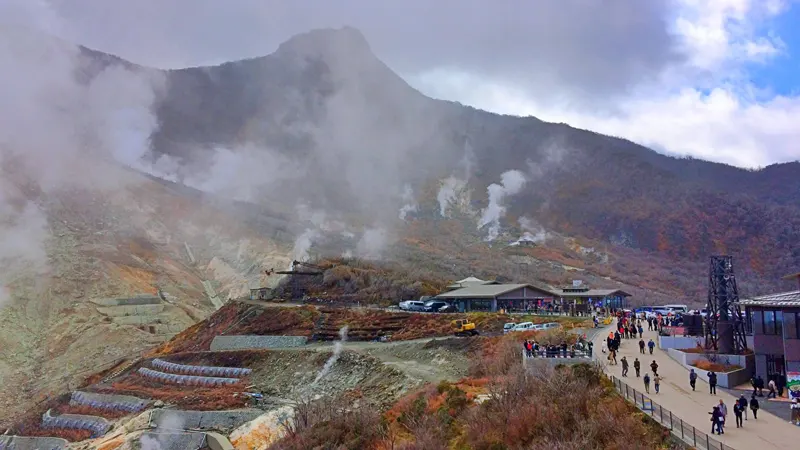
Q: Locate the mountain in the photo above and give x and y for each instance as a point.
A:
(321, 143)
(325, 102)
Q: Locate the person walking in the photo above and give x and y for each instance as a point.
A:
(641, 330)
(641, 346)
(656, 382)
(590, 345)
(743, 404)
(646, 380)
(624, 366)
(760, 386)
(692, 379)
(651, 345)
(772, 390)
(654, 367)
(712, 383)
(716, 420)
(754, 407)
(737, 411)
(637, 366)
(723, 409)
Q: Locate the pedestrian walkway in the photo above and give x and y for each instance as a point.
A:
(767, 433)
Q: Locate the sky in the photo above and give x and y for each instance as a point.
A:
(711, 79)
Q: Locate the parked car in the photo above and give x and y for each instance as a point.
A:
(436, 306)
(412, 305)
(509, 327)
(551, 326)
(524, 326)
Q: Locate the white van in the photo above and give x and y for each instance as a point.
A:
(677, 308)
(551, 326)
(524, 326)
(509, 327)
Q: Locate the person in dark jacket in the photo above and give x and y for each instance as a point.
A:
(760, 386)
(654, 366)
(641, 346)
(716, 420)
(624, 366)
(737, 411)
(637, 366)
(743, 403)
(692, 379)
(712, 383)
(754, 406)
(641, 331)
(646, 380)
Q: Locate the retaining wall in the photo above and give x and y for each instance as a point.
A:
(208, 371)
(140, 320)
(109, 401)
(224, 421)
(131, 310)
(97, 425)
(32, 443)
(174, 441)
(679, 342)
(188, 380)
(256, 342)
(142, 299)
(724, 379)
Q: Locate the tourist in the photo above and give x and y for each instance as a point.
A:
(772, 389)
(712, 383)
(754, 383)
(637, 366)
(641, 331)
(589, 346)
(723, 409)
(754, 406)
(795, 411)
(651, 345)
(760, 386)
(656, 382)
(692, 378)
(654, 366)
(716, 420)
(743, 404)
(737, 411)
(646, 380)
(624, 366)
(641, 346)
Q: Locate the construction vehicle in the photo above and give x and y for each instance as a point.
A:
(463, 327)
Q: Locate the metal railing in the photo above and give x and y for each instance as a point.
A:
(667, 419)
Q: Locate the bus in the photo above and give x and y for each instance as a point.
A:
(683, 309)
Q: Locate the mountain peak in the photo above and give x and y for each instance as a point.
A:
(345, 42)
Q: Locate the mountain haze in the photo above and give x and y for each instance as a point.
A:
(327, 109)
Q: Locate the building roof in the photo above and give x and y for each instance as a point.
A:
(483, 290)
(470, 281)
(594, 293)
(782, 299)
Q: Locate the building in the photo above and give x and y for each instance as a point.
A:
(582, 299)
(772, 325)
(493, 296)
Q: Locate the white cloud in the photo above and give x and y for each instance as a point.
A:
(705, 107)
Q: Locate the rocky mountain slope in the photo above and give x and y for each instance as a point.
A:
(337, 128)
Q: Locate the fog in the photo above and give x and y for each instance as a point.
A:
(57, 131)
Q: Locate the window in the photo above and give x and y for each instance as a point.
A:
(773, 323)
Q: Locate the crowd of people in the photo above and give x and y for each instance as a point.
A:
(582, 348)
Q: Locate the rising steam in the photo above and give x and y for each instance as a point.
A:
(337, 350)
(410, 204)
(511, 183)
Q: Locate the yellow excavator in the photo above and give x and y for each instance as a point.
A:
(463, 327)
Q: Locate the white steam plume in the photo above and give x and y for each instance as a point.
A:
(453, 187)
(533, 232)
(410, 203)
(511, 183)
(372, 243)
(167, 423)
(337, 350)
(60, 129)
(303, 244)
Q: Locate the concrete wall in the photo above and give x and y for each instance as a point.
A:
(726, 380)
(141, 299)
(679, 342)
(131, 310)
(223, 421)
(256, 342)
(32, 443)
(217, 441)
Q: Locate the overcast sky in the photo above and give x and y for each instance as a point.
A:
(714, 79)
